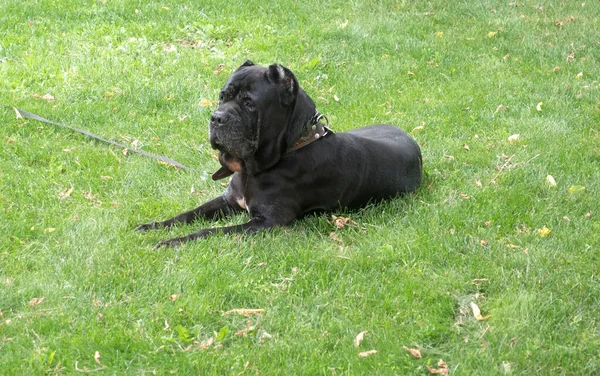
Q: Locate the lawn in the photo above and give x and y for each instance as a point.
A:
(503, 97)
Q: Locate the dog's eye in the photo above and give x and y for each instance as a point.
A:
(249, 104)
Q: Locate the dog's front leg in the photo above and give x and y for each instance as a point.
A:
(212, 209)
(253, 225)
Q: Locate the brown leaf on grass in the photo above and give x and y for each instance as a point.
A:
(418, 128)
(90, 196)
(173, 297)
(65, 193)
(442, 370)
(365, 354)
(571, 56)
(106, 178)
(478, 183)
(448, 157)
(46, 97)
(501, 107)
(205, 102)
(514, 138)
(97, 358)
(207, 343)
(344, 24)
(359, 338)
(483, 242)
(414, 352)
(466, 147)
(477, 313)
(242, 332)
(245, 311)
(464, 196)
(36, 301)
(341, 222)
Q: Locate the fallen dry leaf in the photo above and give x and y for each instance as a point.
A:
(36, 301)
(448, 157)
(514, 138)
(344, 24)
(483, 242)
(539, 106)
(359, 338)
(551, 181)
(48, 97)
(579, 75)
(340, 222)
(418, 128)
(464, 196)
(501, 107)
(478, 183)
(65, 193)
(207, 343)
(242, 332)
(491, 34)
(97, 357)
(544, 231)
(173, 297)
(335, 97)
(365, 354)
(442, 370)
(245, 311)
(205, 102)
(571, 57)
(477, 313)
(414, 352)
(466, 147)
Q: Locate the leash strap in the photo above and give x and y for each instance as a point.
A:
(25, 114)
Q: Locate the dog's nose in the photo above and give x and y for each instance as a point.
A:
(218, 118)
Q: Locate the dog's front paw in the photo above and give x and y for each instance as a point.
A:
(175, 242)
(146, 227)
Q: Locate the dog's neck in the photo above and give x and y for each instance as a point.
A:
(303, 112)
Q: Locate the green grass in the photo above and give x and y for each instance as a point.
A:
(139, 70)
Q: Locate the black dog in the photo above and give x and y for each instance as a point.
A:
(285, 163)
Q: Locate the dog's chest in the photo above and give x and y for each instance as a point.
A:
(241, 201)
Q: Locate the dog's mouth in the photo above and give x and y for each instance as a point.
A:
(229, 163)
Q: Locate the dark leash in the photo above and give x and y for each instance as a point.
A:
(28, 115)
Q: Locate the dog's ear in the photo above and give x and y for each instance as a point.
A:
(286, 83)
(247, 63)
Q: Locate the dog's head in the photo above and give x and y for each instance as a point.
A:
(261, 112)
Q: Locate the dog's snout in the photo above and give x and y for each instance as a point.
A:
(218, 118)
